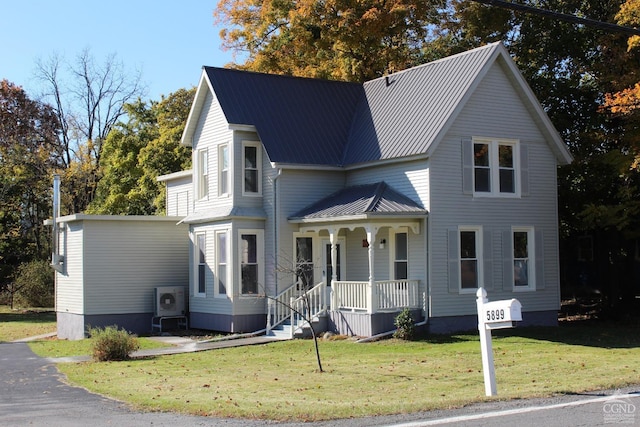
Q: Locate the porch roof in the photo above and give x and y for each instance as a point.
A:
(224, 213)
(358, 202)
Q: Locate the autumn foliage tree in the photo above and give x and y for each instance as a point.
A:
(349, 40)
(28, 157)
(139, 150)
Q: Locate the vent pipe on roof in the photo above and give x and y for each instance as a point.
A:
(56, 258)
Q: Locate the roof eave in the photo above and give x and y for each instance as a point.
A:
(204, 86)
(361, 217)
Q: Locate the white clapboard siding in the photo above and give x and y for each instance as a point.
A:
(69, 281)
(494, 110)
(122, 260)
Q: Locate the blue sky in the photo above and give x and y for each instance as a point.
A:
(169, 41)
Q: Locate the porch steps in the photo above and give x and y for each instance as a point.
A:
(283, 330)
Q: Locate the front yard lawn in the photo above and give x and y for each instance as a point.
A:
(279, 381)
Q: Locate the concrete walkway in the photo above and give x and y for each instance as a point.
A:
(178, 345)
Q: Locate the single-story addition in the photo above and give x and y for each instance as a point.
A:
(407, 191)
(108, 268)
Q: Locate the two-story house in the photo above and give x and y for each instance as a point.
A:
(411, 190)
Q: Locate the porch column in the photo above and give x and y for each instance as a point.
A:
(372, 295)
(333, 239)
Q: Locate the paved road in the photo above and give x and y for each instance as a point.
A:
(33, 393)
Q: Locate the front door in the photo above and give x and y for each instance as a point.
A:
(328, 268)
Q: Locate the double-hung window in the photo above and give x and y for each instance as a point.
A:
(495, 167)
(523, 258)
(251, 258)
(252, 158)
(201, 263)
(470, 245)
(203, 173)
(400, 256)
(221, 264)
(223, 169)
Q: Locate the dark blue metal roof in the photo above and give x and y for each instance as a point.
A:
(377, 198)
(299, 120)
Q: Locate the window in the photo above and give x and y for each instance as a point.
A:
(252, 157)
(495, 167)
(400, 256)
(223, 169)
(470, 258)
(251, 255)
(221, 264)
(201, 263)
(203, 174)
(523, 258)
(304, 262)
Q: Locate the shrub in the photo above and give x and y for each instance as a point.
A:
(404, 325)
(111, 343)
(33, 285)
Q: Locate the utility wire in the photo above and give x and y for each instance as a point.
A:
(563, 16)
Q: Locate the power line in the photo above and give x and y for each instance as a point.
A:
(607, 26)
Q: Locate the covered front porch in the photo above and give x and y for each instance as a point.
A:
(358, 265)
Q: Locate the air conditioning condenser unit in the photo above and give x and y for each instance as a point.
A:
(169, 301)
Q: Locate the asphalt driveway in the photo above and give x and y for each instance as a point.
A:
(33, 393)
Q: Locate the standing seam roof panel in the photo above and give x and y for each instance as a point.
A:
(299, 120)
(404, 112)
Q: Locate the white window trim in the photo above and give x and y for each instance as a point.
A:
(229, 171)
(392, 250)
(196, 264)
(202, 170)
(479, 257)
(494, 169)
(259, 258)
(216, 291)
(258, 147)
(531, 252)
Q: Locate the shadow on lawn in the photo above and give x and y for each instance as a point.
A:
(590, 333)
(28, 316)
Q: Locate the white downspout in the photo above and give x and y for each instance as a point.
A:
(276, 212)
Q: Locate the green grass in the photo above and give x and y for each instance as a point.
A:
(280, 381)
(64, 348)
(17, 324)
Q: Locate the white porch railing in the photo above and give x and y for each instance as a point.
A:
(290, 304)
(386, 295)
(278, 307)
(316, 298)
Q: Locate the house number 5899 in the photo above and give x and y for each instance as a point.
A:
(495, 314)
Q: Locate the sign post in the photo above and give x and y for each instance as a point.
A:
(493, 315)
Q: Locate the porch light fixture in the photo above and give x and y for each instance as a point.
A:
(382, 243)
(365, 243)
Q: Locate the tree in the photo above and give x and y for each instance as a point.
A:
(136, 152)
(334, 39)
(88, 104)
(28, 138)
